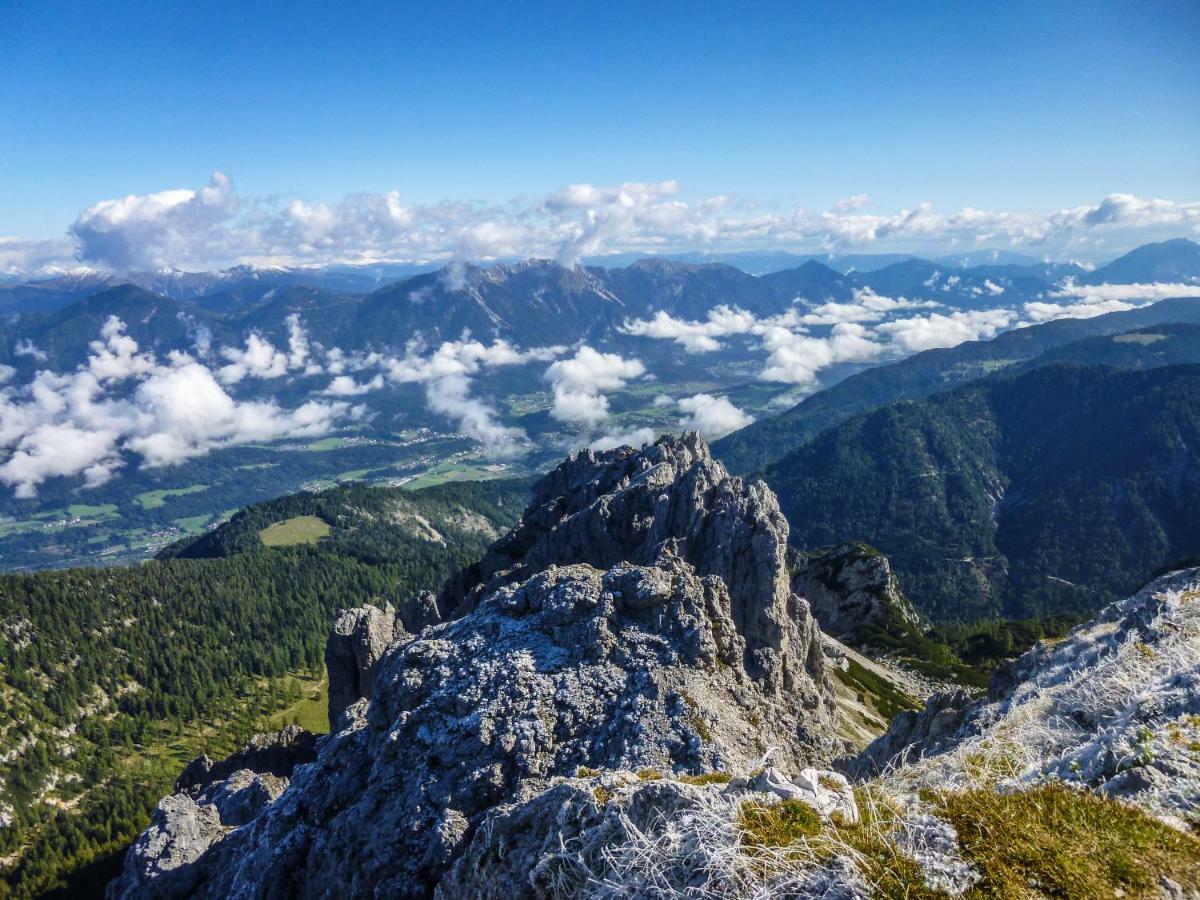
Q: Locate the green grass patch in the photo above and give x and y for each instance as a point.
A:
(1054, 841)
(777, 824)
(157, 499)
(707, 778)
(894, 874)
(1143, 338)
(296, 530)
(329, 443)
(885, 697)
(452, 471)
(84, 511)
(311, 712)
(193, 524)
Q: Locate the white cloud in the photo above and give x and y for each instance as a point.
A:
(912, 335)
(1126, 209)
(168, 228)
(211, 227)
(36, 258)
(123, 401)
(115, 356)
(695, 337)
(1083, 301)
(259, 359)
(849, 204)
(26, 348)
(579, 383)
(636, 438)
(346, 386)
(713, 417)
(867, 306)
(796, 358)
(446, 375)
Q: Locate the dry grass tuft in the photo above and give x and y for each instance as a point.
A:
(1054, 841)
(707, 778)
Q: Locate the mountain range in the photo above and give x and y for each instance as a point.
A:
(1081, 340)
(1176, 261)
(1052, 490)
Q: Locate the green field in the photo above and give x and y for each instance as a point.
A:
(1145, 339)
(457, 470)
(156, 499)
(193, 524)
(297, 530)
(329, 443)
(310, 712)
(83, 510)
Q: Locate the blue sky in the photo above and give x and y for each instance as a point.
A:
(1032, 107)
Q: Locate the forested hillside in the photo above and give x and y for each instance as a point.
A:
(768, 440)
(112, 678)
(1053, 491)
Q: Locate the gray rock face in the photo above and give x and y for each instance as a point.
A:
(639, 616)
(210, 800)
(1113, 707)
(358, 641)
(851, 588)
(630, 506)
(914, 734)
(275, 754)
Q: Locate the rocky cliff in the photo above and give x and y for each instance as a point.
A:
(640, 617)
(853, 591)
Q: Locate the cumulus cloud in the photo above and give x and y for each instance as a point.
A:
(26, 347)
(1083, 301)
(867, 306)
(796, 358)
(211, 227)
(346, 386)
(164, 229)
(258, 359)
(636, 438)
(446, 375)
(917, 333)
(849, 204)
(872, 327)
(127, 402)
(713, 417)
(694, 337)
(22, 258)
(793, 355)
(579, 383)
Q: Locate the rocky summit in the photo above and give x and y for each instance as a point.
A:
(639, 618)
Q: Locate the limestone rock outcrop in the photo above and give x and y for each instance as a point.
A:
(1114, 707)
(852, 589)
(640, 615)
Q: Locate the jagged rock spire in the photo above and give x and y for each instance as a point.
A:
(639, 615)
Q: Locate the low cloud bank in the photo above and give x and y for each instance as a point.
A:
(212, 227)
(127, 402)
